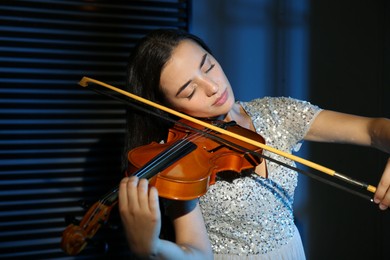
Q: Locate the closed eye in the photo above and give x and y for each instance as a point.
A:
(211, 67)
(191, 95)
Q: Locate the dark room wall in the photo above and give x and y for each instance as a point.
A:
(348, 69)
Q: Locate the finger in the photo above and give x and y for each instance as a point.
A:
(132, 192)
(143, 194)
(382, 194)
(122, 194)
(154, 204)
(384, 204)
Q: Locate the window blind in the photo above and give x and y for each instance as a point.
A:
(61, 144)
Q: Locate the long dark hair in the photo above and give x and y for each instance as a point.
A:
(145, 64)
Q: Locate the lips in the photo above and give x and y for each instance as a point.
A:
(222, 99)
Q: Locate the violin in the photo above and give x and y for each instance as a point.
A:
(190, 177)
(170, 168)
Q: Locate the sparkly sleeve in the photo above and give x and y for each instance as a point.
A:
(282, 117)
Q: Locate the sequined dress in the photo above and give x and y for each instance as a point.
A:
(252, 217)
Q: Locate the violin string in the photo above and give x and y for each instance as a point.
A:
(140, 106)
(102, 201)
(175, 146)
(107, 196)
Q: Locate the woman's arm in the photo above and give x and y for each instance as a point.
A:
(330, 126)
(140, 214)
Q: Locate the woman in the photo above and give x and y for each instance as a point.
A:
(250, 216)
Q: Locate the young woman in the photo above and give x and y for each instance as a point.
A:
(251, 215)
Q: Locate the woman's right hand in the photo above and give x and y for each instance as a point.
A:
(140, 213)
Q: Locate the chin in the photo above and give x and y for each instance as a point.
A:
(229, 105)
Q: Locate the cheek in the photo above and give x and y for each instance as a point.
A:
(193, 109)
(169, 99)
(177, 105)
(188, 108)
(220, 74)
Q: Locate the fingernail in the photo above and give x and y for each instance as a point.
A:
(382, 207)
(376, 200)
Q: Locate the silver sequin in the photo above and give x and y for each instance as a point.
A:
(253, 215)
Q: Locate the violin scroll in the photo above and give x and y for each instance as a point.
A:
(75, 237)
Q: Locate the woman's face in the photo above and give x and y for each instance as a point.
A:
(194, 83)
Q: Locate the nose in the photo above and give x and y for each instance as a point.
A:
(210, 87)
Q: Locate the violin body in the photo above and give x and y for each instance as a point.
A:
(191, 176)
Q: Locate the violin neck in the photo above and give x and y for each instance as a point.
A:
(111, 197)
(174, 153)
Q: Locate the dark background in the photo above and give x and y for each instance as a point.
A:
(61, 144)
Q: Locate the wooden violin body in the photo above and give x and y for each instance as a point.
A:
(190, 177)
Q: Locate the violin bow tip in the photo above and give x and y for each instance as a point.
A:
(84, 82)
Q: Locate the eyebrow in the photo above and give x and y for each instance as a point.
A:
(188, 82)
(203, 60)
